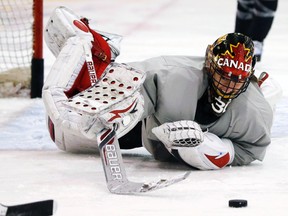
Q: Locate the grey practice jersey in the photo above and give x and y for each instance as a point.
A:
(172, 89)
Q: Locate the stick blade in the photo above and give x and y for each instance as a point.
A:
(130, 188)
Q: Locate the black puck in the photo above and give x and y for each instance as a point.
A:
(238, 203)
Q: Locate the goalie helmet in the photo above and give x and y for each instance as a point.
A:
(230, 66)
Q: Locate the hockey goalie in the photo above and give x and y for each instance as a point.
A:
(207, 112)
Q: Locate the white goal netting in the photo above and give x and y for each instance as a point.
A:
(16, 47)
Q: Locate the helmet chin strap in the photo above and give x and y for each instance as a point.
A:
(218, 103)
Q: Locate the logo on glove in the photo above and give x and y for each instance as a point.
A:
(219, 160)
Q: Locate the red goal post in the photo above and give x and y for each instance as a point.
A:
(21, 48)
(37, 65)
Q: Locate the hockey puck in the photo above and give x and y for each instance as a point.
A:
(238, 203)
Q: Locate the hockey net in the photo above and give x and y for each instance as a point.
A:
(20, 45)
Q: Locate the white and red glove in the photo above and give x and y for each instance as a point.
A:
(186, 141)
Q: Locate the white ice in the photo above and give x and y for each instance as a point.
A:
(32, 168)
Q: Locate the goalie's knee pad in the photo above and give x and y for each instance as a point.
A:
(213, 153)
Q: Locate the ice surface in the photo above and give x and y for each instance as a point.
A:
(32, 168)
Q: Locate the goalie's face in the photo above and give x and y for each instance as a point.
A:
(226, 84)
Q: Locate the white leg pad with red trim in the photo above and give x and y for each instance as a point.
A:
(66, 132)
(67, 65)
(114, 99)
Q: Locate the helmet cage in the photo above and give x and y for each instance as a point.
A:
(225, 84)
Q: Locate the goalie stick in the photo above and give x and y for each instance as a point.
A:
(114, 170)
(40, 208)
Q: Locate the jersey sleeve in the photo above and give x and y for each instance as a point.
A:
(172, 87)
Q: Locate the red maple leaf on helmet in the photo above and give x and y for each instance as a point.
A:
(236, 61)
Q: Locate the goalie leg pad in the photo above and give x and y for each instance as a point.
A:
(114, 99)
(66, 68)
(66, 128)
